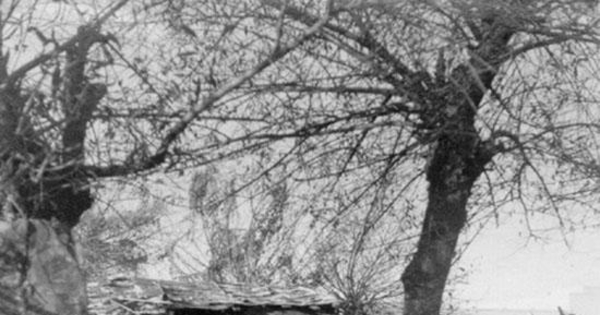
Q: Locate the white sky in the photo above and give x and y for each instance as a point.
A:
(506, 271)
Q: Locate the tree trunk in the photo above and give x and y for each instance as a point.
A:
(458, 157)
(450, 181)
(48, 191)
(39, 271)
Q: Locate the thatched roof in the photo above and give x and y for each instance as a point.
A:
(156, 296)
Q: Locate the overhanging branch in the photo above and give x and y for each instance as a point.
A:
(179, 128)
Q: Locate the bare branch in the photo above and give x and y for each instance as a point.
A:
(21, 71)
(187, 118)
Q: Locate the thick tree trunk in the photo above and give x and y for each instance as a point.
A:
(47, 191)
(458, 157)
(451, 176)
(39, 271)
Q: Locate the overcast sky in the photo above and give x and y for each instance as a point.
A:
(509, 272)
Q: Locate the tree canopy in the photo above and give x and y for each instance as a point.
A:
(366, 133)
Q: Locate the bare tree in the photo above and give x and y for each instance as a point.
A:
(450, 89)
(409, 115)
(67, 119)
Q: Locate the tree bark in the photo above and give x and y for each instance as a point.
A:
(457, 159)
(40, 274)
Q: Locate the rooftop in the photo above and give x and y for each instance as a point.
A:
(156, 296)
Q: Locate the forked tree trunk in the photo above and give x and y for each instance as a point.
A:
(458, 157)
